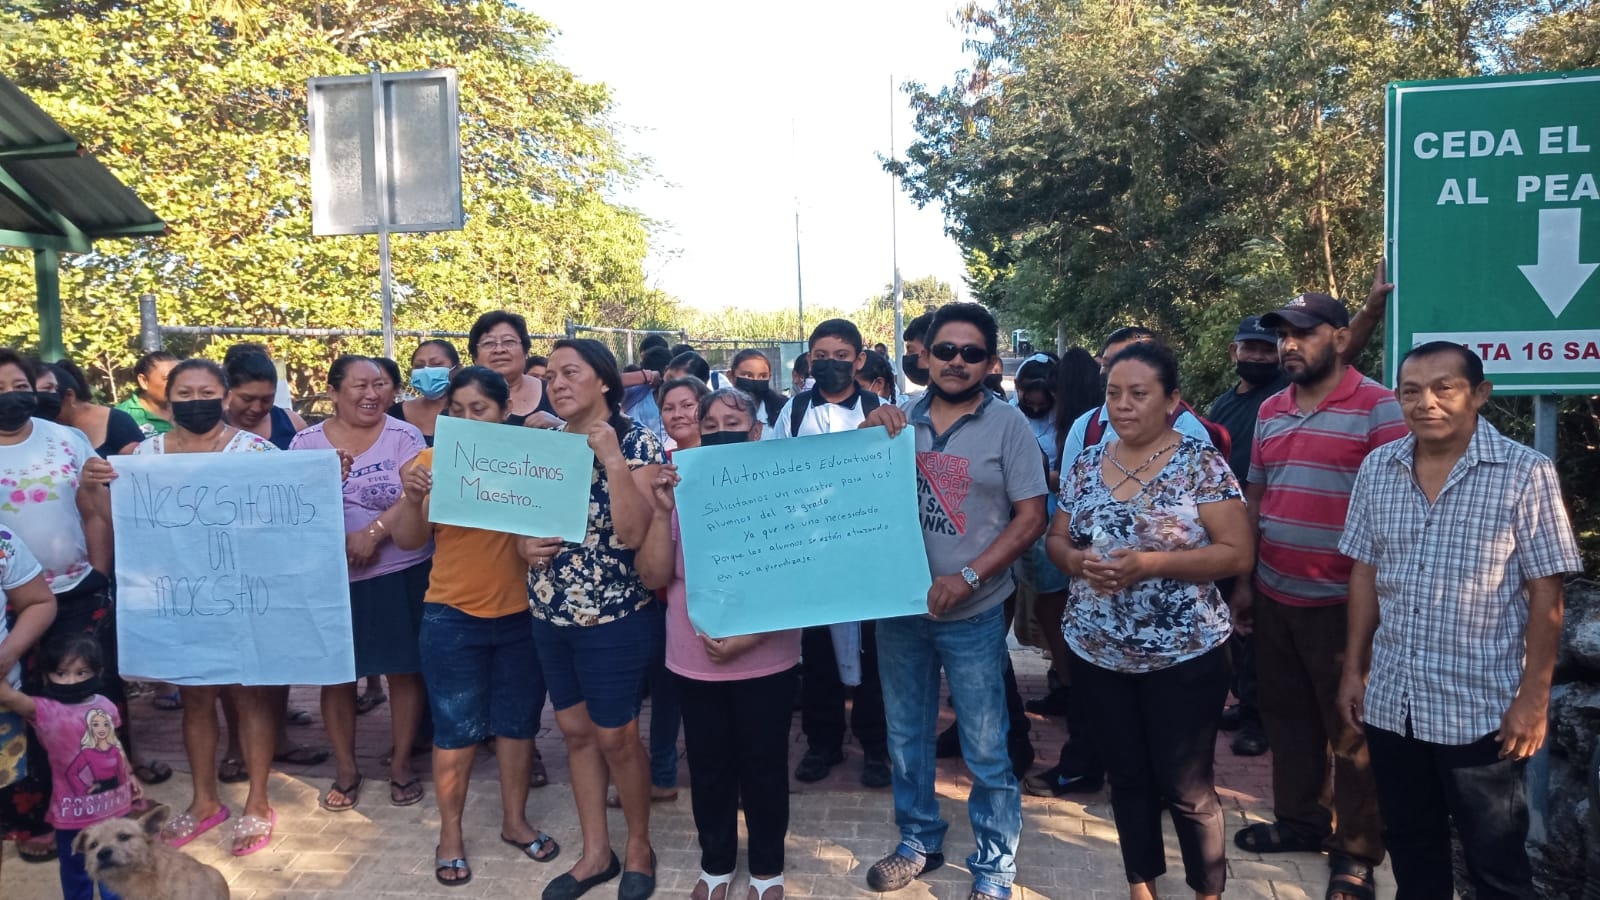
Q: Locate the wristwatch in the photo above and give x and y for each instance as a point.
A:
(972, 577)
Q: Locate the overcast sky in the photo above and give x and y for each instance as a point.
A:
(742, 107)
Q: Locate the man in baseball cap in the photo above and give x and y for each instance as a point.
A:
(1307, 311)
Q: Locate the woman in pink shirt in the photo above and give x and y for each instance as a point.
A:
(737, 694)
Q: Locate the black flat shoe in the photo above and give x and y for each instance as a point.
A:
(637, 885)
(566, 887)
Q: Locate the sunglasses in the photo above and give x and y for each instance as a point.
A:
(972, 354)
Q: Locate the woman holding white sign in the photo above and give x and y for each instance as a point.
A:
(478, 657)
(736, 692)
(595, 622)
(387, 583)
(196, 389)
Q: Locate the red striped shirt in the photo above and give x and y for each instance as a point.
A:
(1308, 463)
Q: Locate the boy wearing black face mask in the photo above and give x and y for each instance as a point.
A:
(836, 403)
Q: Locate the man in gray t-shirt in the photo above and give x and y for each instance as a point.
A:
(981, 491)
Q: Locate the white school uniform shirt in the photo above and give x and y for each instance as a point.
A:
(821, 417)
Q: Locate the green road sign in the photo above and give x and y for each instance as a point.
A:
(1493, 221)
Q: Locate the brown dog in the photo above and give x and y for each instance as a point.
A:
(120, 855)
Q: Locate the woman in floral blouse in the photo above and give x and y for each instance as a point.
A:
(596, 625)
(1152, 520)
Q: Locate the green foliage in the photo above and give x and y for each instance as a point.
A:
(209, 128)
(1182, 163)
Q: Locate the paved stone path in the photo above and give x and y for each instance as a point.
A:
(837, 829)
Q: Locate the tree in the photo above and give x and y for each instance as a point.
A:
(917, 296)
(208, 127)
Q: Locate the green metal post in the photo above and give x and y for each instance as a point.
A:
(47, 288)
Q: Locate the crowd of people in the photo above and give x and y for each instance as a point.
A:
(1373, 574)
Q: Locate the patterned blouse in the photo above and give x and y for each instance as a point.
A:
(595, 582)
(1160, 622)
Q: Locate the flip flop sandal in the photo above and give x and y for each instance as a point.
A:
(183, 828)
(301, 756)
(168, 702)
(351, 793)
(368, 702)
(232, 771)
(760, 886)
(153, 772)
(533, 848)
(441, 866)
(257, 830)
(1350, 878)
(1270, 837)
(405, 794)
(713, 884)
(538, 776)
(36, 850)
(298, 717)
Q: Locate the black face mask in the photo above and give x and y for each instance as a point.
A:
(16, 408)
(916, 373)
(197, 416)
(1256, 373)
(718, 438)
(959, 396)
(753, 387)
(833, 376)
(48, 404)
(71, 694)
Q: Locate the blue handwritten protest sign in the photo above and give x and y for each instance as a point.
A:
(806, 531)
(528, 481)
(231, 568)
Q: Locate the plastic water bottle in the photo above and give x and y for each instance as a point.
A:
(1101, 542)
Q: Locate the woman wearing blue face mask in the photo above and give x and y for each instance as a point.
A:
(431, 366)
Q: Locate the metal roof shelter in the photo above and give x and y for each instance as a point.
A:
(55, 198)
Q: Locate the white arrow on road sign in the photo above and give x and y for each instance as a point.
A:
(1558, 276)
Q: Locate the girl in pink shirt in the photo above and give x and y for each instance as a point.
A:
(737, 693)
(92, 780)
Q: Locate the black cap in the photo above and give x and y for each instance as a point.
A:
(1251, 329)
(1308, 311)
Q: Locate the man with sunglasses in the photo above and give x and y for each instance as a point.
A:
(981, 490)
(835, 402)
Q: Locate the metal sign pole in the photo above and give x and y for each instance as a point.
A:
(1544, 424)
(385, 216)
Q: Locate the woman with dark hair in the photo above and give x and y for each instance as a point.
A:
(688, 363)
(876, 376)
(738, 693)
(387, 583)
(148, 403)
(431, 366)
(1148, 523)
(499, 340)
(1075, 391)
(252, 388)
(197, 388)
(679, 400)
(477, 647)
(596, 624)
(112, 431)
(57, 503)
(752, 373)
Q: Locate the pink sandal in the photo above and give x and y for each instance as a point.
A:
(256, 829)
(183, 828)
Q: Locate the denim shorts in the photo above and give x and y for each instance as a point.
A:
(600, 665)
(483, 676)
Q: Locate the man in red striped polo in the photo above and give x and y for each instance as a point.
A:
(1309, 443)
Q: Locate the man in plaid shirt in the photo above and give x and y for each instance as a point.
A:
(1460, 541)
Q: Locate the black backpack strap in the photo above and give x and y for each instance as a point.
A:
(797, 412)
(869, 402)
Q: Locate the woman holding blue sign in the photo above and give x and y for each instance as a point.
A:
(387, 583)
(736, 692)
(196, 389)
(595, 623)
(477, 647)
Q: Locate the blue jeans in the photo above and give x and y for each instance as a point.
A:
(482, 674)
(972, 652)
(75, 881)
(666, 717)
